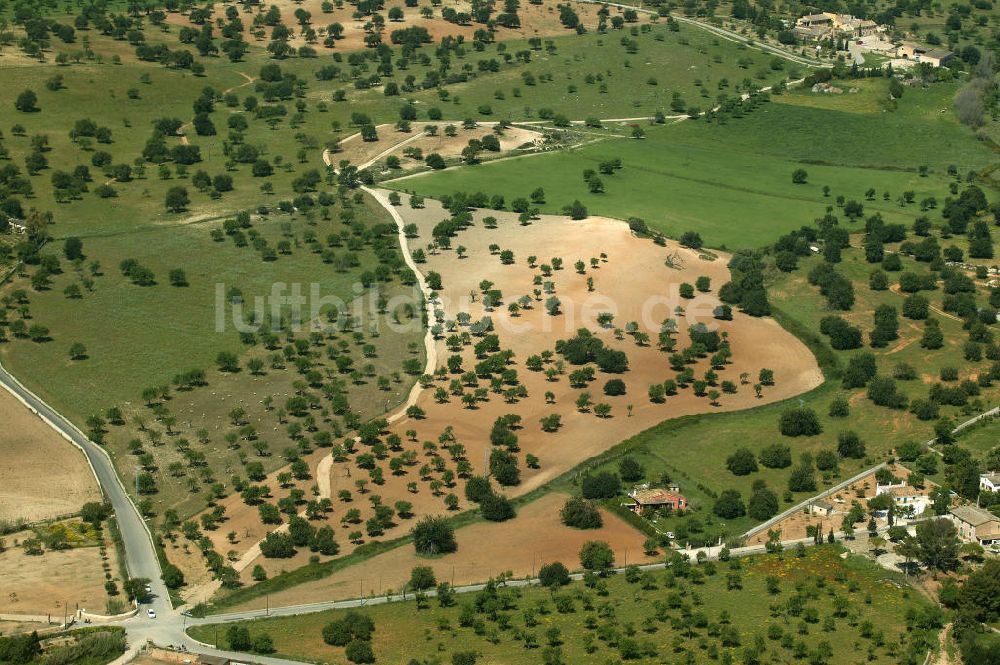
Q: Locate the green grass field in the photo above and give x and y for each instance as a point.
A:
(697, 618)
(981, 439)
(732, 182)
(159, 331)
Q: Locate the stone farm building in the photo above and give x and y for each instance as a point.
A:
(827, 25)
(818, 507)
(976, 525)
(920, 53)
(646, 498)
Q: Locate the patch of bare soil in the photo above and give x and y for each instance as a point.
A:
(52, 582)
(794, 526)
(536, 21)
(632, 281)
(42, 475)
(635, 285)
(396, 143)
(485, 550)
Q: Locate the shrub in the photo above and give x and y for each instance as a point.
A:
(602, 485)
(614, 387)
(503, 467)
(883, 392)
(860, 369)
(630, 470)
(496, 508)
(776, 456)
(849, 444)
(763, 502)
(422, 577)
(360, 651)
(434, 535)
(729, 505)
(352, 626)
(741, 462)
(840, 407)
(581, 514)
(799, 421)
(597, 555)
(477, 488)
(553, 574)
(842, 334)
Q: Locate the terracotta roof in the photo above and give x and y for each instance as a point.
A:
(905, 490)
(940, 54)
(656, 496)
(974, 516)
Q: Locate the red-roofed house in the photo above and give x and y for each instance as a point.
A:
(646, 498)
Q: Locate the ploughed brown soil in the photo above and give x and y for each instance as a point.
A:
(41, 474)
(519, 546)
(48, 583)
(536, 21)
(632, 281)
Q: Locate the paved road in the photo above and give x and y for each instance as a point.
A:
(724, 33)
(140, 556)
(168, 629)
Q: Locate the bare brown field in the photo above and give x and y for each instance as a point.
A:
(485, 550)
(632, 281)
(634, 284)
(394, 142)
(53, 581)
(536, 21)
(41, 474)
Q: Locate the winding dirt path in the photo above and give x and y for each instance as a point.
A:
(895, 289)
(248, 81)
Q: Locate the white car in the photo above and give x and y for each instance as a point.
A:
(670, 535)
(151, 614)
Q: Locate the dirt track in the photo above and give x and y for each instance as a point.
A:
(391, 142)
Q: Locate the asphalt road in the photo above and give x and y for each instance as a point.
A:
(724, 33)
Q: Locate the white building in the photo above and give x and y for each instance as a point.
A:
(909, 501)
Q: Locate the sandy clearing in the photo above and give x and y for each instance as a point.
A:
(485, 549)
(46, 584)
(41, 474)
(394, 142)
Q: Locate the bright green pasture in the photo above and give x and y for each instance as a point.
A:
(625, 613)
(731, 183)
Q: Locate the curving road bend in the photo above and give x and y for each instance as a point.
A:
(140, 554)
